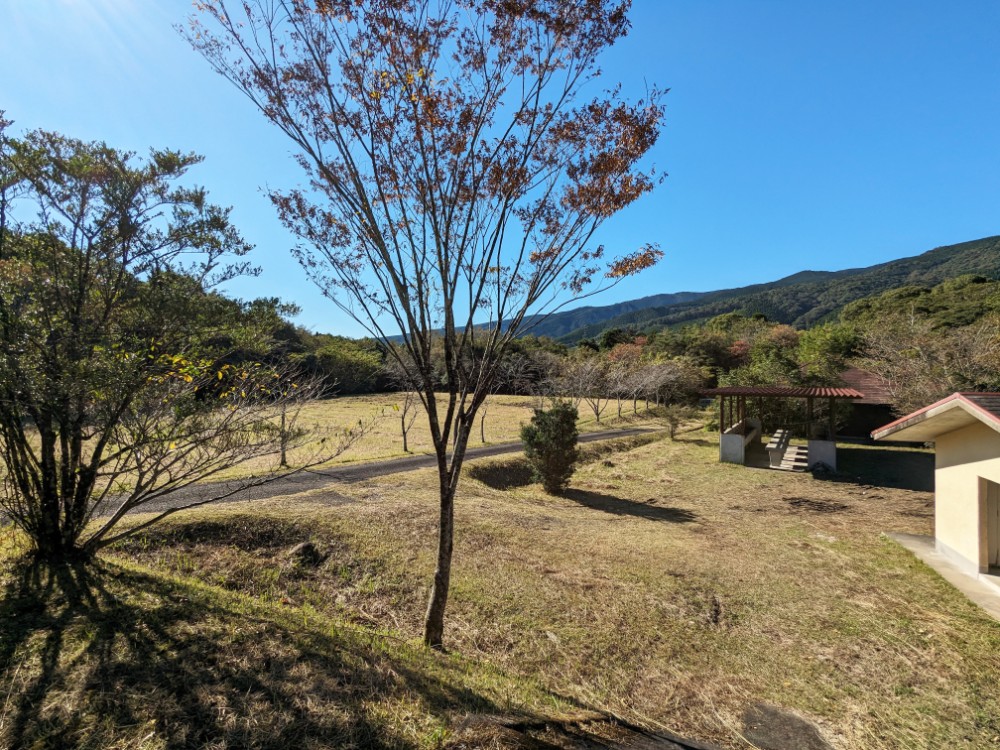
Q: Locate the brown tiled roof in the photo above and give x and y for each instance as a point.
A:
(869, 384)
(783, 391)
(988, 402)
(950, 413)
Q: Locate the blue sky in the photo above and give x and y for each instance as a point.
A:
(799, 135)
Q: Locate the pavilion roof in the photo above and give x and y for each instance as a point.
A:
(781, 391)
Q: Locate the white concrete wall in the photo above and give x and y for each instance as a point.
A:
(733, 444)
(822, 451)
(963, 459)
(732, 449)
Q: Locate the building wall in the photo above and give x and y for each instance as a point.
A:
(863, 419)
(964, 458)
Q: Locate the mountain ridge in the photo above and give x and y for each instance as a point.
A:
(800, 299)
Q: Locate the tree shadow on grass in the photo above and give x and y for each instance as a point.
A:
(697, 436)
(700, 442)
(895, 468)
(621, 507)
(97, 655)
(502, 475)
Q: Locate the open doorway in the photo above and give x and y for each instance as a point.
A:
(992, 491)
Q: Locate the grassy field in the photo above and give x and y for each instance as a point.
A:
(380, 415)
(666, 588)
(376, 417)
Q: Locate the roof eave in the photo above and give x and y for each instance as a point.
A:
(927, 424)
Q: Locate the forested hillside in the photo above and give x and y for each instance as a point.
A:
(566, 322)
(956, 302)
(801, 300)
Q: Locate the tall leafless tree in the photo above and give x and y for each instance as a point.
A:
(457, 172)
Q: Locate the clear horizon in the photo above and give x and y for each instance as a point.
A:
(797, 138)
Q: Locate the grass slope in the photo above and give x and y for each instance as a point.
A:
(119, 655)
(664, 587)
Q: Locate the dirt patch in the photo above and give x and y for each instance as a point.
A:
(597, 732)
(814, 505)
(244, 532)
(773, 728)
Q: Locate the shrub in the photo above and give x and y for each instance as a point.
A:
(674, 415)
(550, 445)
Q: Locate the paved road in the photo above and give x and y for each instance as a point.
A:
(307, 481)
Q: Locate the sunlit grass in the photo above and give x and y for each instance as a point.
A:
(378, 416)
(665, 587)
(324, 426)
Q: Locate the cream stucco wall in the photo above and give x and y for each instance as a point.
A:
(963, 459)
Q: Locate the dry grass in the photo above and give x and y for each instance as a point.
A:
(378, 417)
(665, 587)
(114, 656)
(382, 439)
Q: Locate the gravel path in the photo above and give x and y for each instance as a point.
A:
(307, 481)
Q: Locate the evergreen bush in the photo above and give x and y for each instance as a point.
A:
(550, 445)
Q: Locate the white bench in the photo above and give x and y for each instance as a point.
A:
(777, 447)
(751, 431)
(748, 429)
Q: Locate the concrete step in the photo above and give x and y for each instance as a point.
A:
(796, 458)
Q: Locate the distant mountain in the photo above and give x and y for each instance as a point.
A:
(561, 323)
(801, 300)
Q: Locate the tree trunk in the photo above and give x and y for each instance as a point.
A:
(434, 621)
(448, 476)
(482, 428)
(284, 440)
(403, 427)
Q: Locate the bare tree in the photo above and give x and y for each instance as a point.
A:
(637, 384)
(920, 364)
(513, 377)
(166, 442)
(400, 378)
(672, 380)
(618, 375)
(545, 370)
(292, 389)
(624, 366)
(113, 391)
(457, 174)
(585, 379)
(408, 415)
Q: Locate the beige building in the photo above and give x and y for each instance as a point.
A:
(965, 430)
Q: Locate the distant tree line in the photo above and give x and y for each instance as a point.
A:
(922, 342)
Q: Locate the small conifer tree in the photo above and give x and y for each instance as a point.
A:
(550, 445)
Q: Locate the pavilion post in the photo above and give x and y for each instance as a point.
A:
(833, 422)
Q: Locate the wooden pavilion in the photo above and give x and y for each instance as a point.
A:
(742, 426)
